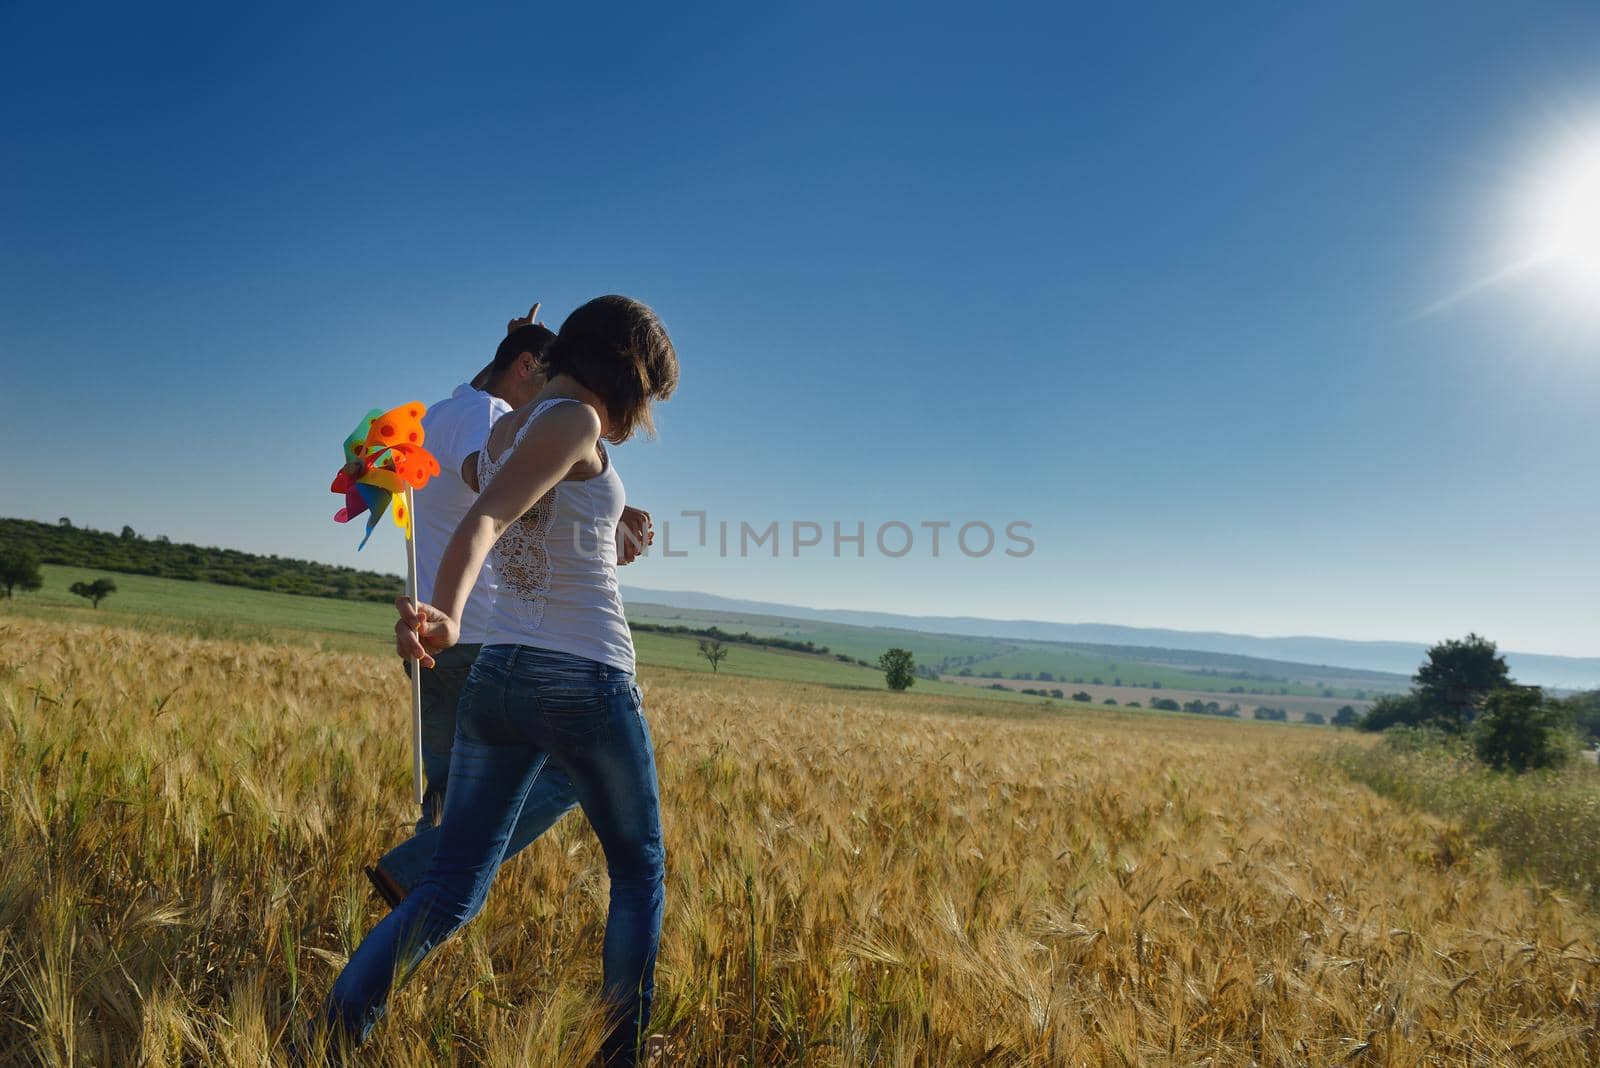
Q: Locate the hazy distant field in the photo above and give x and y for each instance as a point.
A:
(1296, 707)
(854, 878)
(1172, 669)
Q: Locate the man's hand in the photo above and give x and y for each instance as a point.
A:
(422, 631)
(633, 534)
(526, 320)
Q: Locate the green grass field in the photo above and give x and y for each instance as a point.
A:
(212, 611)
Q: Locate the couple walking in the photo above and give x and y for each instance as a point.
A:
(530, 705)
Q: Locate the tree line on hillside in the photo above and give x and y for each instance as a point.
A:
(131, 553)
(1463, 690)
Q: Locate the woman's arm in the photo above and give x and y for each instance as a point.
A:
(560, 439)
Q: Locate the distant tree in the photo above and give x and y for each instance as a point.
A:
(1456, 678)
(129, 534)
(1583, 709)
(19, 567)
(1098, 681)
(965, 673)
(1276, 715)
(1346, 716)
(1058, 695)
(1520, 730)
(1084, 696)
(1315, 717)
(1132, 704)
(1155, 684)
(714, 652)
(1109, 701)
(898, 668)
(1045, 676)
(95, 591)
(1393, 710)
(1165, 704)
(64, 522)
(1116, 681)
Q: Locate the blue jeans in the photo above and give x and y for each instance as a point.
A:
(522, 708)
(551, 798)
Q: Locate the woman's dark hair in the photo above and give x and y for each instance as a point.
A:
(617, 347)
(530, 338)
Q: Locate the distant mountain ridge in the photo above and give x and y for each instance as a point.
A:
(1543, 669)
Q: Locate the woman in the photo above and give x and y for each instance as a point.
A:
(555, 679)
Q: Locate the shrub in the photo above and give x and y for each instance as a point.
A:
(1520, 730)
(1393, 710)
(1583, 710)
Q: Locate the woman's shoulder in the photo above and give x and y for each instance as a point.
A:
(504, 432)
(567, 413)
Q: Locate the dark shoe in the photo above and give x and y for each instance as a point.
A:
(386, 885)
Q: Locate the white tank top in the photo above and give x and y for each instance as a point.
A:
(556, 566)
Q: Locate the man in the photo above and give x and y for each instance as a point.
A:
(455, 430)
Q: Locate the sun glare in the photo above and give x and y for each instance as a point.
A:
(1545, 252)
(1561, 225)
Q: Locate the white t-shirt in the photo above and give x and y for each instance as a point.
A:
(453, 430)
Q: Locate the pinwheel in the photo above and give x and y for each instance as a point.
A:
(384, 459)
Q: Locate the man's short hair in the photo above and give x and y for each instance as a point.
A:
(531, 338)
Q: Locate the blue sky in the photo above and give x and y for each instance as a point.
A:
(1152, 282)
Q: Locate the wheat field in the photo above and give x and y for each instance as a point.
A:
(853, 878)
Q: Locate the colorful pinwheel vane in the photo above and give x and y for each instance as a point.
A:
(384, 455)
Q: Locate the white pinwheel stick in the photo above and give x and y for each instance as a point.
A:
(416, 665)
